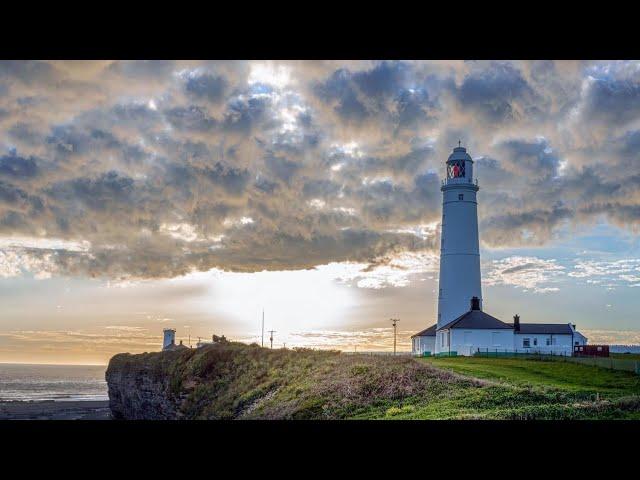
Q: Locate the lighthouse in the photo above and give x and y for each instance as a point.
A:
(463, 328)
(459, 247)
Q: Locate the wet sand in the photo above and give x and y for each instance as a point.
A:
(49, 410)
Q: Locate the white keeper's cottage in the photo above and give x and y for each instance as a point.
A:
(462, 327)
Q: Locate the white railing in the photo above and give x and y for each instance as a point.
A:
(458, 181)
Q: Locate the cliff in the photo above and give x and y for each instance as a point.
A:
(233, 380)
(230, 380)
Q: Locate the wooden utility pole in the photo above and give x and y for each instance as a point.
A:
(394, 321)
(271, 332)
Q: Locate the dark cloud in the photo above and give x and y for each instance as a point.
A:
(320, 188)
(210, 87)
(281, 167)
(192, 118)
(340, 91)
(612, 100)
(414, 107)
(382, 80)
(533, 158)
(99, 193)
(244, 114)
(13, 221)
(16, 166)
(496, 92)
(18, 198)
(532, 226)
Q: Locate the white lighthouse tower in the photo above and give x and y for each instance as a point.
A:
(459, 248)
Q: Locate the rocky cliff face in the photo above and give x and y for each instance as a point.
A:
(139, 387)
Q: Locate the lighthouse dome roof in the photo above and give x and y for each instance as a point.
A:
(460, 153)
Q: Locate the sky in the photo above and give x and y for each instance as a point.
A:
(142, 195)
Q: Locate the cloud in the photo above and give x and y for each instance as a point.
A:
(154, 163)
(389, 271)
(372, 339)
(610, 274)
(14, 166)
(499, 93)
(528, 273)
(610, 100)
(210, 87)
(530, 226)
(612, 337)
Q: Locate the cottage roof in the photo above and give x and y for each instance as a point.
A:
(545, 328)
(427, 332)
(477, 319)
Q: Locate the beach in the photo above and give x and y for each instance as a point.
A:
(53, 392)
(55, 410)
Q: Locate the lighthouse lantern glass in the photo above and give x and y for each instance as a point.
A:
(455, 169)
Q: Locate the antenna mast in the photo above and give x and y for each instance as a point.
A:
(394, 320)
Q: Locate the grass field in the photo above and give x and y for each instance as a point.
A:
(626, 356)
(568, 377)
(237, 381)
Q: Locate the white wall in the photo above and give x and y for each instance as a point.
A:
(467, 341)
(578, 337)
(423, 344)
(459, 278)
(558, 344)
(169, 338)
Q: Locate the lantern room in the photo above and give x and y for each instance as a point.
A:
(459, 166)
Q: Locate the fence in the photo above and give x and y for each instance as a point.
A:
(385, 353)
(602, 362)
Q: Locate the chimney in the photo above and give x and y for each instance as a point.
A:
(516, 322)
(475, 303)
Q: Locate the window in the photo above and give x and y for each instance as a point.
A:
(456, 169)
(548, 341)
(526, 342)
(535, 342)
(599, 349)
(460, 196)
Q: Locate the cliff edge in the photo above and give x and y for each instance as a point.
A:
(234, 381)
(228, 380)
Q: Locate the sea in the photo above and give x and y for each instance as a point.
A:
(624, 348)
(22, 382)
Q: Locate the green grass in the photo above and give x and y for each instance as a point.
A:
(237, 381)
(565, 376)
(626, 356)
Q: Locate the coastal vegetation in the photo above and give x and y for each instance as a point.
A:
(229, 380)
